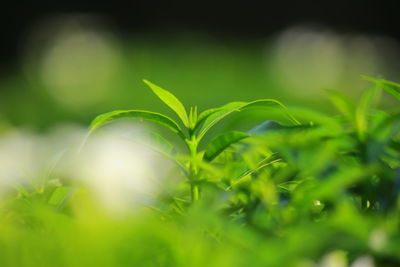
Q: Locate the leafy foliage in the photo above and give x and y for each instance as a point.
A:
(312, 190)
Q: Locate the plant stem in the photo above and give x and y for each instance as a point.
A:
(193, 168)
(195, 192)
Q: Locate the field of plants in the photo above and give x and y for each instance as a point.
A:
(146, 179)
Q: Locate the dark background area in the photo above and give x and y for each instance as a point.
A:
(241, 19)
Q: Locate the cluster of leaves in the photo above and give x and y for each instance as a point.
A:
(277, 178)
(307, 189)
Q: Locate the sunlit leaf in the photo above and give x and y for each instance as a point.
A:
(171, 101)
(136, 114)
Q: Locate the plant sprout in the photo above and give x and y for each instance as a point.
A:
(192, 128)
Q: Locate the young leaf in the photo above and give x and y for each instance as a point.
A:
(390, 87)
(268, 103)
(136, 114)
(192, 117)
(206, 113)
(215, 116)
(171, 101)
(221, 142)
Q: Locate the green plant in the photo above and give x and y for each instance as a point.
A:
(193, 128)
(326, 191)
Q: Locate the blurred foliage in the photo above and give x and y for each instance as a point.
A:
(322, 193)
(74, 76)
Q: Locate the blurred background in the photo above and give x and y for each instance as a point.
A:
(67, 61)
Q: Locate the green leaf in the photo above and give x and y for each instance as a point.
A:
(341, 103)
(221, 142)
(206, 113)
(362, 111)
(61, 195)
(171, 101)
(192, 117)
(159, 144)
(246, 176)
(390, 87)
(213, 116)
(262, 103)
(162, 146)
(136, 114)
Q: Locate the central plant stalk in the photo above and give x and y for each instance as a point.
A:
(193, 168)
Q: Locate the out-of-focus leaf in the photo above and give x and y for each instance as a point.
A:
(316, 118)
(340, 181)
(382, 134)
(390, 87)
(159, 143)
(264, 127)
(289, 186)
(269, 126)
(246, 176)
(136, 114)
(171, 101)
(342, 103)
(221, 142)
(361, 115)
(60, 195)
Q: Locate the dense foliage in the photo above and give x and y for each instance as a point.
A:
(301, 189)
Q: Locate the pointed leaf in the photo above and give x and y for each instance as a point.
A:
(221, 142)
(171, 101)
(136, 114)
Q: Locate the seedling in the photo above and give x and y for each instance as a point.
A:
(191, 128)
